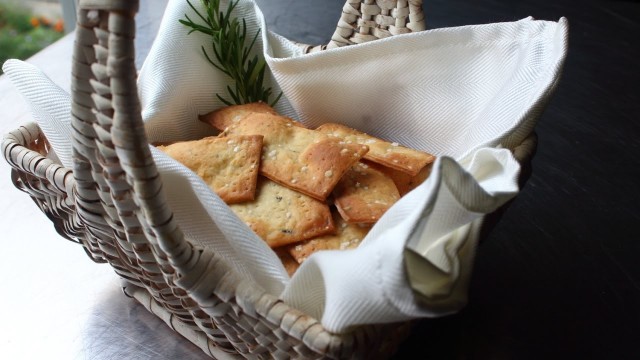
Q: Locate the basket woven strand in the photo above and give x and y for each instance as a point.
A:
(112, 203)
(367, 20)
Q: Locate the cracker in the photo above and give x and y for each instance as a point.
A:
(383, 152)
(364, 194)
(290, 264)
(227, 115)
(301, 159)
(282, 216)
(404, 182)
(228, 165)
(347, 236)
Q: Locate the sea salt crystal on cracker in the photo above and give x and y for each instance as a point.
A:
(347, 236)
(282, 216)
(230, 172)
(289, 149)
(390, 154)
(364, 195)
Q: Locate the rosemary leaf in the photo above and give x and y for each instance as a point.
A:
(231, 54)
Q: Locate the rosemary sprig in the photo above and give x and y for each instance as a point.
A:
(228, 37)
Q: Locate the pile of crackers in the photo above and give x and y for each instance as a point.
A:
(301, 190)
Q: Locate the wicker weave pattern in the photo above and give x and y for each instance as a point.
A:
(112, 201)
(370, 20)
(367, 20)
(48, 184)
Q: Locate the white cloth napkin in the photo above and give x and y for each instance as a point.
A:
(465, 94)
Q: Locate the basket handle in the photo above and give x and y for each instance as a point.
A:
(367, 20)
(118, 189)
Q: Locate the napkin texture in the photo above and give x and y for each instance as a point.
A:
(466, 94)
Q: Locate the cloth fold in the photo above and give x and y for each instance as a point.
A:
(466, 94)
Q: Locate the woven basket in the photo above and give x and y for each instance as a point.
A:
(111, 201)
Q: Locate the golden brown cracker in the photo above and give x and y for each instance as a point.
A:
(290, 264)
(298, 158)
(282, 216)
(404, 182)
(227, 115)
(364, 194)
(390, 154)
(228, 165)
(347, 236)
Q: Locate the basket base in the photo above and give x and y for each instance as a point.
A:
(199, 339)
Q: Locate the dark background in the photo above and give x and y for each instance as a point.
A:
(559, 276)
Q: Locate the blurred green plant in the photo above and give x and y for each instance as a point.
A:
(22, 34)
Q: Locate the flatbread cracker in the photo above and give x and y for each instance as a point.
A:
(404, 182)
(228, 165)
(347, 236)
(290, 264)
(301, 159)
(282, 216)
(364, 194)
(383, 152)
(227, 115)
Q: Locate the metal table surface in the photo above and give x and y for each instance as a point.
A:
(556, 278)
